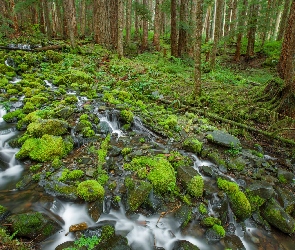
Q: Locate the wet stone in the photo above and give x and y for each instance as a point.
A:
(67, 244)
(183, 245)
(90, 171)
(233, 242)
(185, 174)
(95, 209)
(78, 227)
(262, 189)
(287, 199)
(208, 171)
(223, 139)
(285, 176)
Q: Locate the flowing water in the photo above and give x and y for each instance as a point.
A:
(142, 232)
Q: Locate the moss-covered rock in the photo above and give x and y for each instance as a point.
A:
(45, 148)
(183, 215)
(238, 200)
(126, 116)
(275, 215)
(90, 190)
(184, 245)
(68, 175)
(13, 116)
(177, 159)
(33, 224)
(157, 170)
(137, 194)
(47, 126)
(196, 186)
(192, 145)
(223, 138)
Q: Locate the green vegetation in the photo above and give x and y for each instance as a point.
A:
(210, 221)
(192, 145)
(203, 209)
(90, 190)
(68, 175)
(196, 186)
(239, 202)
(7, 242)
(219, 230)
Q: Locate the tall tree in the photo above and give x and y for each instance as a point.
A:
(286, 65)
(252, 26)
(157, 25)
(199, 20)
(128, 21)
(183, 28)
(82, 18)
(284, 19)
(173, 33)
(145, 26)
(14, 16)
(241, 23)
(217, 31)
(71, 21)
(120, 27)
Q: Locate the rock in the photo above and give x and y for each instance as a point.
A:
(65, 113)
(115, 151)
(78, 227)
(60, 190)
(95, 209)
(233, 242)
(136, 196)
(192, 145)
(208, 170)
(4, 212)
(223, 138)
(286, 199)
(212, 236)
(67, 244)
(117, 242)
(185, 174)
(262, 189)
(275, 215)
(183, 215)
(32, 224)
(285, 176)
(90, 171)
(184, 245)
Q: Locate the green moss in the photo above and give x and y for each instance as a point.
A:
(7, 242)
(192, 145)
(43, 149)
(107, 232)
(196, 186)
(102, 152)
(210, 221)
(68, 175)
(35, 168)
(219, 230)
(12, 116)
(36, 177)
(127, 116)
(255, 201)
(160, 172)
(56, 163)
(126, 151)
(82, 79)
(47, 126)
(28, 108)
(53, 56)
(203, 209)
(90, 190)
(129, 183)
(177, 159)
(2, 209)
(239, 202)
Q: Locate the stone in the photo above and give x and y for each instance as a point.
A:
(285, 176)
(183, 245)
(223, 139)
(183, 215)
(233, 242)
(286, 199)
(95, 209)
(275, 215)
(185, 174)
(262, 189)
(78, 227)
(67, 244)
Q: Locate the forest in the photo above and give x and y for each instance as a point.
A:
(147, 124)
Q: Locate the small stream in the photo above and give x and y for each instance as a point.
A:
(143, 232)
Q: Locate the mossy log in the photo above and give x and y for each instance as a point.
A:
(241, 125)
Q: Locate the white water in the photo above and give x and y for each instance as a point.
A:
(10, 169)
(71, 214)
(112, 122)
(16, 80)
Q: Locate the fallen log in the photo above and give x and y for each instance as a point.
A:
(52, 47)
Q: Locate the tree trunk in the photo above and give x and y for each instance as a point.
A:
(198, 62)
(71, 21)
(120, 28)
(128, 21)
(233, 18)
(252, 30)
(157, 25)
(207, 30)
(217, 31)
(145, 29)
(286, 66)
(65, 20)
(83, 18)
(112, 21)
(183, 34)
(48, 27)
(193, 29)
(14, 16)
(241, 23)
(173, 34)
(284, 20)
(136, 23)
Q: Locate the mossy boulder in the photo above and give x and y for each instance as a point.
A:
(45, 148)
(286, 199)
(285, 177)
(137, 194)
(238, 200)
(76, 79)
(223, 138)
(126, 116)
(13, 116)
(157, 170)
(177, 159)
(3, 212)
(184, 245)
(192, 145)
(183, 215)
(275, 215)
(90, 190)
(196, 186)
(32, 224)
(47, 126)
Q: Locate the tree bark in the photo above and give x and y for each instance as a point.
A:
(14, 16)
(157, 25)
(252, 30)
(286, 66)
(120, 28)
(284, 20)
(241, 23)
(128, 21)
(71, 21)
(83, 18)
(217, 31)
(183, 34)
(198, 62)
(173, 33)
(145, 29)
(48, 26)
(136, 23)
